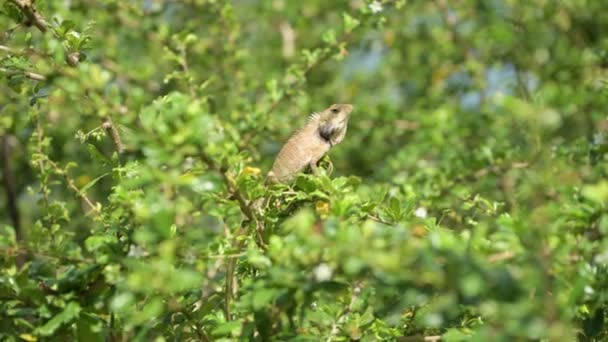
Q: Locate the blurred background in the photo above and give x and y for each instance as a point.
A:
(126, 125)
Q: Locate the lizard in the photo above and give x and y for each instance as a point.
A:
(302, 150)
(309, 144)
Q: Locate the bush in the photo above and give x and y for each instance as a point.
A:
(469, 198)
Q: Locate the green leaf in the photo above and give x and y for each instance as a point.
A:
(12, 12)
(329, 37)
(90, 328)
(263, 297)
(232, 328)
(93, 243)
(91, 183)
(69, 314)
(350, 23)
(597, 192)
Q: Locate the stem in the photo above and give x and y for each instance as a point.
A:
(109, 127)
(229, 288)
(8, 180)
(31, 75)
(356, 291)
(72, 185)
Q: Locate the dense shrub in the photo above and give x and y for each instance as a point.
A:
(468, 200)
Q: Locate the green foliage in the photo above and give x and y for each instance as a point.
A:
(469, 198)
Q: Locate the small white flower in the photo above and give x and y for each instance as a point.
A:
(420, 212)
(601, 258)
(137, 252)
(323, 272)
(375, 7)
(598, 138)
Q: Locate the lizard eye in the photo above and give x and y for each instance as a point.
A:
(335, 110)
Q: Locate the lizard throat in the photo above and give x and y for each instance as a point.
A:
(326, 139)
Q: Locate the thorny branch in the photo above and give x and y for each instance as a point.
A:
(251, 216)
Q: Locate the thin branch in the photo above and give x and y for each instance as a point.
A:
(44, 188)
(33, 16)
(501, 168)
(72, 185)
(109, 127)
(200, 332)
(235, 193)
(502, 256)
(31, 75)
(29, 51)
(342, 317)
(186, 69)
(379, 220)
(21, 250)
(521, 83)
(229, 288)
(223, 256)
(8, 50)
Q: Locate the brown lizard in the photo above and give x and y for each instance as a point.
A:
(309, 144)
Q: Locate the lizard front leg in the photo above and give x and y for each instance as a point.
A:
(327, 164)
(313, 167)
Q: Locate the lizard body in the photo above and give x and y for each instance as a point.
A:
(309, 144)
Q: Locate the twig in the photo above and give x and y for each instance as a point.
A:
(109, 127)
(229, 288)
(23, 250)
(44, 188)
(7, 49)
(354, 296)
(184, 64)
(234, 192)
(521, 84)
(31, 75)
(379, 220)
(498, 169)
(72, 185)
(223, 256)
(202, 335)
(33, 16)
(506, 255)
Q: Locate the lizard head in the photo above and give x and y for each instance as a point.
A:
(333, 122)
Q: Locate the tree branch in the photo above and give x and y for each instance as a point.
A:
(234, 192)
(251, 216)
(33, 16)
